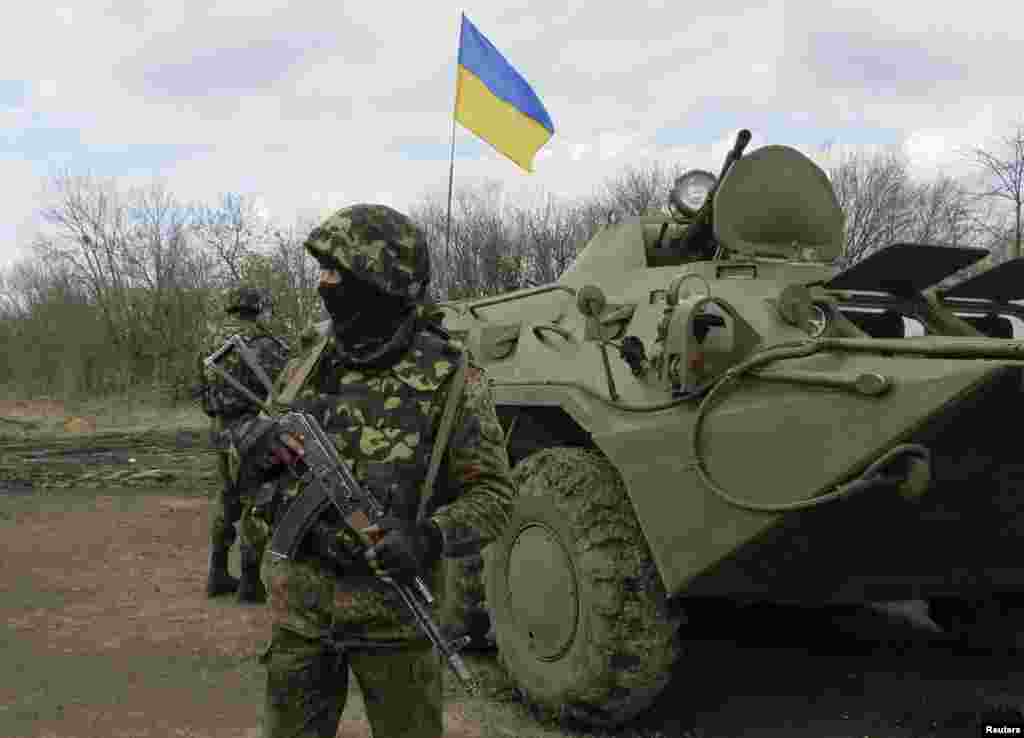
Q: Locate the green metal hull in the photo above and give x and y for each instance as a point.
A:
(962, 535)
(797, 426)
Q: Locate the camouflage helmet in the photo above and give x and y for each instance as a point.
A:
(376, 244)
(247, 300)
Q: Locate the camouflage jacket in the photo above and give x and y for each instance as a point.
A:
(383, 423)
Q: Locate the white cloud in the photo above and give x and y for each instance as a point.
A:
(20, 181)
(927, 148)
(323, 120)
(611, 144)
(945, 149)
(46, 88)
(577, 151)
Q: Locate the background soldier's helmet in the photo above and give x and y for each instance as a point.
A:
(247, 300)
(376, 244)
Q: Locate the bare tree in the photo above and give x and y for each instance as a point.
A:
(291, 275)
(635, 190)
(553, 231)
(944, 212)
(129, 254)
(14, 302)
(232, 231)
(54, 339)
(430, 215)
(89, 230)
(165, 299)
(484, 256)
(497, 245)
(875, 193)
(1003, 171)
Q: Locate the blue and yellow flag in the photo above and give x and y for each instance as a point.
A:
(494, 101)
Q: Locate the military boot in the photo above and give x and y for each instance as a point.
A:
(251, 588)
(218, 580)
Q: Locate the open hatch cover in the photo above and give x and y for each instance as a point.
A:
(1000, 284)
(904, 269)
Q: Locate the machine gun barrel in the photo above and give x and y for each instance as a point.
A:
(699, 229)
(742, 139)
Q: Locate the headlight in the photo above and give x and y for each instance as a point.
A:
(691, 190)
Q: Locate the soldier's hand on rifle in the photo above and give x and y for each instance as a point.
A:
(402, 549)
(264, 445)
(288, 449)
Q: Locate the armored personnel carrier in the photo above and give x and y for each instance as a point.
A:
(704, 408)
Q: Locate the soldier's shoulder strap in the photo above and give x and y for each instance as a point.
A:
(443, 433)
(264, 330)
(298, 378)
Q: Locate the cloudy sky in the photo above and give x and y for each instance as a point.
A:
(309, 106)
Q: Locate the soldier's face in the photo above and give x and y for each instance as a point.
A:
(330, 276)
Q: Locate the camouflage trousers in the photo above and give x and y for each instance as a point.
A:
(307, 688)
(227, 511)
(234, 506)
(255, 526)
(324, 625)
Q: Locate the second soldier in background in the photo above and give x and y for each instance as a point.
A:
(248, 312)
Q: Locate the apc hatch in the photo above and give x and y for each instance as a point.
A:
(904, 269)
(1002, 283)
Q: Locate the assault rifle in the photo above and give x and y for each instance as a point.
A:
(328, 482)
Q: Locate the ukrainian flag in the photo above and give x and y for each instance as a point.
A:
(494, 101)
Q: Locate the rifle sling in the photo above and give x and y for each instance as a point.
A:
(298, 379)
(443, 433)
(254, 365)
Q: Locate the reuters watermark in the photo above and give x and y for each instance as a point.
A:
(1002, 729)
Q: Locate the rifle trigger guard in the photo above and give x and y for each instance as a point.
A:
(317, 472)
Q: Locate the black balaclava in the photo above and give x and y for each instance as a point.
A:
(372, 329)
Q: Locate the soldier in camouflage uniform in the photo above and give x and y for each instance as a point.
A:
(249, 312)
(379, 389)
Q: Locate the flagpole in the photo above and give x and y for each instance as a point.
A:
(451, 165)
(451, 180)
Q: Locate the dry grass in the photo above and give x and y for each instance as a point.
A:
(135, 411)
(138, 411)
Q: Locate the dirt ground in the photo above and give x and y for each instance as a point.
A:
(108, 632)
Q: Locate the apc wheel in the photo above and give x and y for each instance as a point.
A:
(579, 609)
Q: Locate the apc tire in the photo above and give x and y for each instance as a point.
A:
(579, 610)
